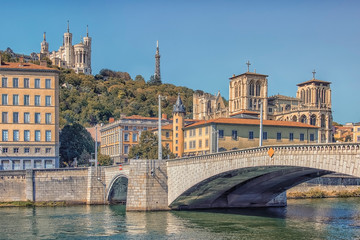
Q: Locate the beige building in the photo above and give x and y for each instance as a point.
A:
(312, 104)
(77, 57)
(223, 134)
(29, 116)
(356, 132)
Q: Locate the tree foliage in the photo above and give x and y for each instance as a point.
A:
(87, 100)
(75, 142)
(148, 148)
(154, 80)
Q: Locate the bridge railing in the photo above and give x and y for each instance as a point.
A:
(320, 147)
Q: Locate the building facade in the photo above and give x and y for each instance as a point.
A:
(119, 136)
(356, 133)
(77, 57)
(249, 90)
(29, 116)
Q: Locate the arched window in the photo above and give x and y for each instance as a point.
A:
(294, 119)
(251, 88)
(239, 90)
(322, 120)
(302, 95)
(218, 106)
(323, 94)
(236, 90)
(287, 107)
(313, 120)
(209, 106)
(303, 119)
(257, 88)
(250, 103)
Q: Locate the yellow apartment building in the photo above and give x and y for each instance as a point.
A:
(356, 132)
(29, 116)
(223, 134)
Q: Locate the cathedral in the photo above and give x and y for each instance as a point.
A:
(247, 91)
(77, 57)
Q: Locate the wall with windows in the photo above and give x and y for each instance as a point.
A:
(356, 133)
(197, 140)
(29, 125)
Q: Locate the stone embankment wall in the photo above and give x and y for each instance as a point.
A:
(12, 186)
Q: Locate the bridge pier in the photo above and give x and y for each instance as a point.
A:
(147, 187)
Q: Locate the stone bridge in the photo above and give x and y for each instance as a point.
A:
(250, 177)
(241, 178)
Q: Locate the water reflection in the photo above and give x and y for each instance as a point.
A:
(302, 219)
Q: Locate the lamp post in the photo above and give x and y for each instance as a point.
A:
(159, 128)
(261, 124)
(96, 159)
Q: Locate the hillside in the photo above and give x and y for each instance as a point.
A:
(88, 99)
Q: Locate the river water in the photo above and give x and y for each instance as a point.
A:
(301, 219)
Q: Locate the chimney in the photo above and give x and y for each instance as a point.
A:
(43, 63)
(164, 116)
(111, 120)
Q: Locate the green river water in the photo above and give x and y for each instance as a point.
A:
(301, 219)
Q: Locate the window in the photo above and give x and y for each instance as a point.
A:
(47, 100)
(26, 100)
(48, 118)
(206, 130)
(48, 150)
(302, 137)
(270, 110)
(4, 99)
(5, 135)
(126, 127)
(48, 135)
(176, 141)
(26, 117)
(251, 135)
(4, 116)
(176, 149)
(4, 82)
(200, 131)
(358, 129)
(26, 150)
(16, 135)
(15, 99)
(26, 83)
(47, 83)
(206, 142)
(37, 83)
(221, 133)
(358, 138)
(167, 134)
(265, 137)
(278, 136)
(126, 149)
(37, 100)
(234, 134)
(312, 137)
(134, 128)
(37, 136)
(26, 135)
(291, 137)
(15, 117)
(185, 145)
(126, 137)
(37, 150)
(16, 150)
(200, 143)
(15, 82)
(167, 145)
(5, 150)
(185, 133)
(177, 135)
(176, 128)
(37, 118)
(134, 137)
(177, 120)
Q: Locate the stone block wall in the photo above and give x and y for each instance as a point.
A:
(147, 188)
(12, 186)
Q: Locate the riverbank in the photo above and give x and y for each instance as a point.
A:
(324, 192)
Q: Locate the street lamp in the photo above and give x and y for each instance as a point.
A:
(261, 124)
(159, 128)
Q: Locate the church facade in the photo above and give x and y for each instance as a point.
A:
(247, 91)
(77, 57)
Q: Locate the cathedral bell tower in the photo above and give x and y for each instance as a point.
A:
(179, 112)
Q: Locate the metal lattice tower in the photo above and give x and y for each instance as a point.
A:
(157, 62)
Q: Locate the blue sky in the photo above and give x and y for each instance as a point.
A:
(202, 43)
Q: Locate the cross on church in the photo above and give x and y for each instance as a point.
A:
(248, 65)
(313, 74)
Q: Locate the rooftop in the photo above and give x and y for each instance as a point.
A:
(313, 81)
(24, 66)
(249, 73)
(244, 121)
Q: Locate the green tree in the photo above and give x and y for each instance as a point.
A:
(74, 139)
(154, 80)
(139, 78)
(104, 160)
(148, 148)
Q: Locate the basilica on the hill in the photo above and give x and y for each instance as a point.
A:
(248, 90)
(77, 57)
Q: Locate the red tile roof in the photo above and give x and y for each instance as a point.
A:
(243, 121)
(25, 66)
(140, 117)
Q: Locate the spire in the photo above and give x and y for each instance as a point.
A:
(314, 74)
(179, 106)
(68, 26)
(157, 62)
(87, 30)
(44, 36)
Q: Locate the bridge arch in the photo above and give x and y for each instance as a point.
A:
(290, 165)
(117, 189)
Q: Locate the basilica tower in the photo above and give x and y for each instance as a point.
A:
(68, 49)
(44, 46)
